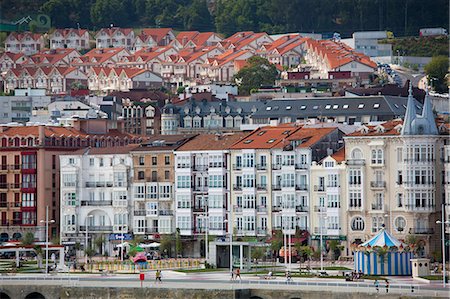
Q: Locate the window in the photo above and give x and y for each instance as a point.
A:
(288, 180)
(183, 201)
(399, 200)
(91, 161)
(183, 181)
(141, 175)
(215, 201)
(166, 175)
(360, 106)
(335, 106)
(249, 160)
(357, 154)
(216, 181)
(377, 156)
(151, 208)
(376, 106)
(249, 201)
(355, 176)
(357, 224)
(400, 224)
(167, 160)
(154, 160)
(333, 201)
(141, 160)
(69, 179)
(70, 199)
(377, 224)
(345, 107)
(327, 107)
(355, 199)
(101, 164)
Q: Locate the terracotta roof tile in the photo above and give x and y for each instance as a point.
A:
(205, 142)
(339, 156)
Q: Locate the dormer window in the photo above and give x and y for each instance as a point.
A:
(248, 141)
(345, 107)
(303, 107)
(335, 106)
(288, 107)
(376, 106)
(360, 106)
(271, 140)
(268, 108)
(261, 133)
(315, 107)
(327, 107)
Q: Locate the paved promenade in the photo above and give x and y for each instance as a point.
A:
(221, 280)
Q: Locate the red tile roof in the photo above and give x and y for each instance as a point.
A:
(385, 129)
(339, 156)
(204, 142)
(156, 33)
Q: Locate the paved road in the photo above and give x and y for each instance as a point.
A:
(400, 285)
(406, 74)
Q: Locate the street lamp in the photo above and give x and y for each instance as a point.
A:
(321, 242)
(230, 231)
(443, 223)
(86, 245)
(46, 221)
(121, 242)
(205, 218)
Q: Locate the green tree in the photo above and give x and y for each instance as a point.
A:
(277, 241)
(178, 243)
(258, 71)
(28, 239)
(166, 244)
(107, 12)
(437, 69)
(258, 252)
(196, 16)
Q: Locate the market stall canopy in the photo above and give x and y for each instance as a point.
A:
(383, 238)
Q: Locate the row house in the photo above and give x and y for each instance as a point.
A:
(53, 57)
(153, 37)
(115, 37)
(202, 184)
(30, 174)
(329, 56)
(69, 38)
(100, 58)
(394, 177)
(9, 60)
(270, 177)
(195, 39)
(223, 67)
(27, 43)
(55, 80)
(246, 40)
(328, 210)
(187, 64)
(285, 51)
(148, 58)
(122, 79)
(153, 185)
(95, 195)
(141, 118)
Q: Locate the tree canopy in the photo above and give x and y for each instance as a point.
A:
(258, 72)
(436, 70)
(228, 16)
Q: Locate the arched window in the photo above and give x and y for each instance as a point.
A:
(357, 154)
(357, 224)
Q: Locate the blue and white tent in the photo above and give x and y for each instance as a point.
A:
(383, 255)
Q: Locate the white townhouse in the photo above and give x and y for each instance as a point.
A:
(96, 196)
(27, 43)
(115, 37)
(69, 38)
(202, 184)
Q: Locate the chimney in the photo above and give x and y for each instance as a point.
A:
(41, 134)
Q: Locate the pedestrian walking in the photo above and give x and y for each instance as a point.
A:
(377, 285)
(387, 286)
(238, 274)
(158, 276)
(232, 275)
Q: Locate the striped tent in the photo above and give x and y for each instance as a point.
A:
(383, 255)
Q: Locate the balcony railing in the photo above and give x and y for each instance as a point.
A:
(377, 207)
(421, 231)
(217, 165)
(320, 209)
(276, 166)
(301, 166)
(261, 166)
(301, 209)
(319, 188)
(356, 162)
(139, 213)
(200, 188)
(378, 184)
(98, 203)
(354, 208)
(276, 187)
(165, 212)
(99, 184)
(237, 187)
(419, 208)
(261, 209)
(261, 187)
(200, 167)
(97, 228)
(301, 187)
(237, 209)
(237, 167)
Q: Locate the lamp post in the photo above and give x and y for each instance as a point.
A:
(205, 218)
(443, 224)
(321, 242)
(230, 231)
(121, 243)
(86, 244)
(46, 237)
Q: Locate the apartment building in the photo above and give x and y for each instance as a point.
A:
(30, 174)
(328, 209)
(271, 180)
(152, 199)
(95, 196)
(202, 184)
(394, 179)
(115, 37)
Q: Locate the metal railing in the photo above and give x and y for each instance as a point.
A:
(100, 203)
(421, 231)
(378, 184)
(356, 162)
